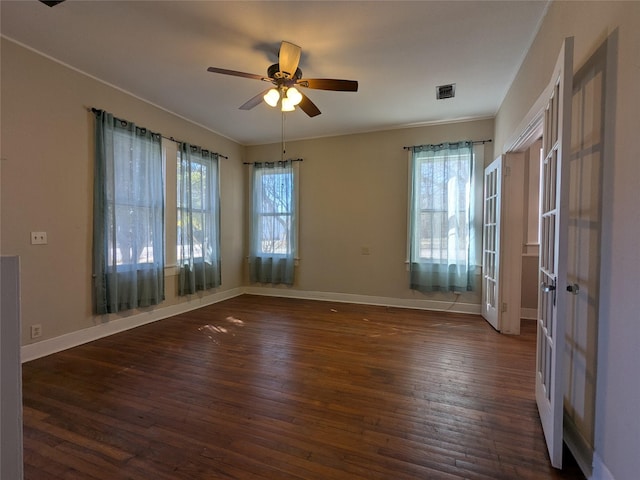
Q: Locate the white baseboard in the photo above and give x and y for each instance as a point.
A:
(116, 325)
(529, 313)
(600, 470)
(366, 299)
(579, 447)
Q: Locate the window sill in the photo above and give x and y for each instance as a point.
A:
(171, 270)
(477, 268)
(296, 260)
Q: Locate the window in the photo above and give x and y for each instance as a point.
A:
(274, 211)
(195, 206)
(128, 250)
(198, 223)
(134, 203)
(441, 240)
(273, 225)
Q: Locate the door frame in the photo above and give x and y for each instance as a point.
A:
(505, 314)
(513, 244)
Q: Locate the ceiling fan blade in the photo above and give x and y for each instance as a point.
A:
(254, 101)
(308, 107)
(235, 73)
(329, 84)
(289, 58)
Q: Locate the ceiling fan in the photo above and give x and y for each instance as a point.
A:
(286, 77)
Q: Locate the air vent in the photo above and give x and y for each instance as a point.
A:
(446, 91)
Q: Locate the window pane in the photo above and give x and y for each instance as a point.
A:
(276, 193)
(274, 209)
(195, 236)
(275, 233)
(442, 202)
(198, 191)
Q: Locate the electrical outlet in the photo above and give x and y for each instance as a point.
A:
(38, 238)
(36, 331)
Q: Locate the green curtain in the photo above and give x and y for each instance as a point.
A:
(272, 246)
(198, 220)
(128, 216)
(442, 232)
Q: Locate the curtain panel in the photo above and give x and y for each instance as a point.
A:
(198, 220)
(442, 218)
(273, 240)
(128, 216)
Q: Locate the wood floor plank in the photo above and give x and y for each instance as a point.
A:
(273, 388)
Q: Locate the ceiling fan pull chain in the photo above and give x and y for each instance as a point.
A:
(283, 144)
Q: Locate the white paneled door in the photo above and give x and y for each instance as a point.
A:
(553, 252)
(491, 243)
(588, 147)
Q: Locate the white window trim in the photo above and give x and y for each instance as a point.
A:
(169, 161)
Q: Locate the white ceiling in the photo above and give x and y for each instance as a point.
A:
(398, 51)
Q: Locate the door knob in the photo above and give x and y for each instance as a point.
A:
(573, 288)
(547, 288)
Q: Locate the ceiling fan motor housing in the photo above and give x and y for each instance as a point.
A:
(274, 72)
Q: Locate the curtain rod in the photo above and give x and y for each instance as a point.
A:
(96, 110)
(289, 160)
(475, 142)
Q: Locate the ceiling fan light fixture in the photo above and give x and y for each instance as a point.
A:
(287, 105)
(294, 95)
(272, 97)
(286, 76)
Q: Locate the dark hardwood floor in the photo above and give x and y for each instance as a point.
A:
(269, 388)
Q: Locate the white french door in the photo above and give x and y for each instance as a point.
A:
(491, 243)
(553, 252)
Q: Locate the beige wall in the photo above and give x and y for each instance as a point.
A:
(47, 172)
(353, 194)
(617, 438)
(531, 213)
